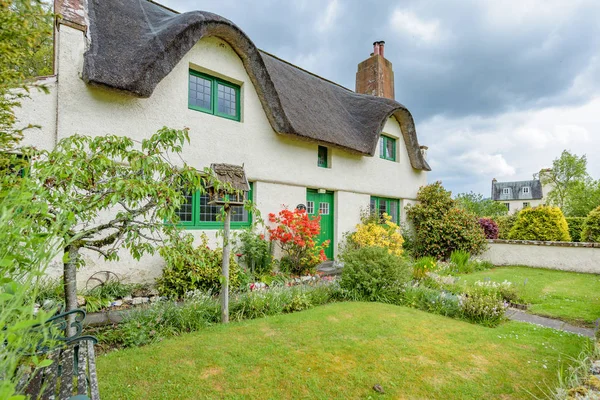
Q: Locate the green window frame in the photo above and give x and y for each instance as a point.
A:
(380, 205)
(387, 148)
(322, 155)
(196, 213)
(213, 95)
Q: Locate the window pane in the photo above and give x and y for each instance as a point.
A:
(324, 208)
(393, 211)
(227, 100)
(185, 211)
(322, 157)
(382, 207)
(382, 147)
(239, 214)
(208, 212)
(310, 207)
(373, 205)
(389, 148)
(200, 92)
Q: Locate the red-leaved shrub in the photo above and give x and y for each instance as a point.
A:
(490, 228)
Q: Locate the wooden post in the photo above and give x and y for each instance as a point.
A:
(225, 269)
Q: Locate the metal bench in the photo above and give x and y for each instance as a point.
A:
(72, 374)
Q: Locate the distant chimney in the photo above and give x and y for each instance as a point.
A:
(375, 75)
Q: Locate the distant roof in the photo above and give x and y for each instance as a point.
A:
(516, 190)
(135, 44)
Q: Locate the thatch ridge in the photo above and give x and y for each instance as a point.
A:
(135, 44)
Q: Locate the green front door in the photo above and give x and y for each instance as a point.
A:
(322, 204)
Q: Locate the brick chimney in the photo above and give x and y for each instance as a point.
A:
(71, 13)
(375, 75)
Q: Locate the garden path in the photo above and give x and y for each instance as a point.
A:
(518, 315)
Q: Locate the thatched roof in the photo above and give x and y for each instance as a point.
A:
(135, 44)
(231, 174)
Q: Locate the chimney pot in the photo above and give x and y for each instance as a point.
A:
(375, 75)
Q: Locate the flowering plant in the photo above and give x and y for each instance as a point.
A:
(295, 232)
(374, 234)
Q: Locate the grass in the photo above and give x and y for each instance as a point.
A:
(569, 296)
(340, 351)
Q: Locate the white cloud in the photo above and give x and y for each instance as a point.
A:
(466, 153)
(407, 23)
(327, 20)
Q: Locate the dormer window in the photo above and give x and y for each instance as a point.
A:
(526, 190)
(213, 96)
(505, 191)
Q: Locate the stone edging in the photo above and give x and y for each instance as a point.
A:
(540, 243)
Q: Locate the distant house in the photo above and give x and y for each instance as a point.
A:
(518, 195)
(131, 67)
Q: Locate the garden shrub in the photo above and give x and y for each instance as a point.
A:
(189, 268)
(296, 233)
(428, 299)
(441, 227)
(374, 233)
(505, 224)
(575, 226)
(482, 308)
(370, 271)
(490, 228)
(590, 231)
(255, 252)
(423, 266)
(545, 223)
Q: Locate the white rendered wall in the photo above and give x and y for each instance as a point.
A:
(517, 205)
(577, 257)
(283, 167)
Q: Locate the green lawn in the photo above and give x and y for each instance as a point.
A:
(340, 351)
(569, 296)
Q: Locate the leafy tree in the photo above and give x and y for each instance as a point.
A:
(590, 231)
(582, 197)
(119, 194)
(476, 204)
(441, 226)
(25, 52)
(568, 171)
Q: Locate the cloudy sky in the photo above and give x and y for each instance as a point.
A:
(497, 88)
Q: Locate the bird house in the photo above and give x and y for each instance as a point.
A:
(234, 176)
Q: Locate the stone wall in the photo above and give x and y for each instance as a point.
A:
(566, 256)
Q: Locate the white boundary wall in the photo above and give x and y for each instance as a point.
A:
(566, 256)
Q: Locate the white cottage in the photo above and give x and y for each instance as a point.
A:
(130, 67)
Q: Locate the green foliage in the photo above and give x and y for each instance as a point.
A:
(162, 320)
(26, 249)
(583, 197)
(199, 310)
(255, 252)
(590, 231)
(475, 204)
(566, 172)
(135, 187)
(482, 308)
(422, 266)
(441, 227)
(429, 299)
(25, 52)
(505, 224)
(190, 268)
(370, 271)
(575, 225)
(460, 260)
(545, 223)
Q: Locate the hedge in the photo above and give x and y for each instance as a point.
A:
(545, 223)
(590, 231)
(575, 227)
